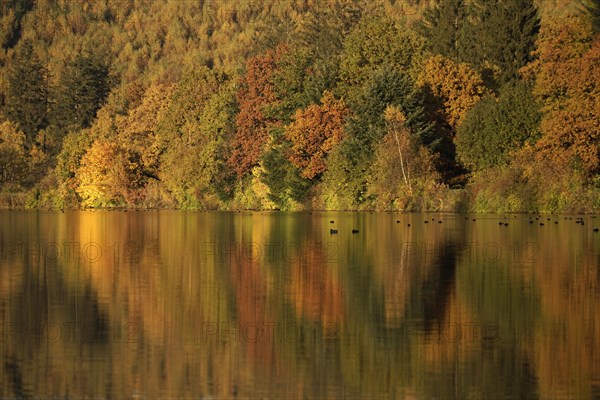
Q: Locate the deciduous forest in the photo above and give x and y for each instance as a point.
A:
(450, 105)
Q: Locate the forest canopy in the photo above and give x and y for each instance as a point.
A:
(300, 104)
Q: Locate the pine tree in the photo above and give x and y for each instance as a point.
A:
(441, 27)
(495, 128)
(367, 128)
(83, 88)
(285, 182)
(27, 92)
(495, 36)
(388, 87)
(593, 10)
(11, 15)
(499, 37)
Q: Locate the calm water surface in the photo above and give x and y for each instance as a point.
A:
(271, 305)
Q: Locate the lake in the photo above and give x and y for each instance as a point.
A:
(174, 304)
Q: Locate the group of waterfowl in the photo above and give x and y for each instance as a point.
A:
(578, 220)
(334, 231)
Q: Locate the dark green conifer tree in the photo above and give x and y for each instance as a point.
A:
(11, 15)
(366, 128)
(592, 8)
(27, 92)
(495, 36)
(83, 88)
(494, 128)
(441, 27)
(498, 38)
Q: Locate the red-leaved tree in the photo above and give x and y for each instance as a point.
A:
(254, 97)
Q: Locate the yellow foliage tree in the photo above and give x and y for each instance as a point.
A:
(140, 129)
(402, 168)
(109, 175)
(13, 163)
(456, 86)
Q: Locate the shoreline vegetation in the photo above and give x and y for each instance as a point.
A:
(262, 212)
(456, 106)
(581, 209)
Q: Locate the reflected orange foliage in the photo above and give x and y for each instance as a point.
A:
(315, 292)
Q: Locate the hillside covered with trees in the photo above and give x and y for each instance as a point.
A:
(300, 104)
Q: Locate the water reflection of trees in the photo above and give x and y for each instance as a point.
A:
(367, 315)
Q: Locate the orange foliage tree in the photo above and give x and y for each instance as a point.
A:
(314, 132)
(566, 73)
(457, 86)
